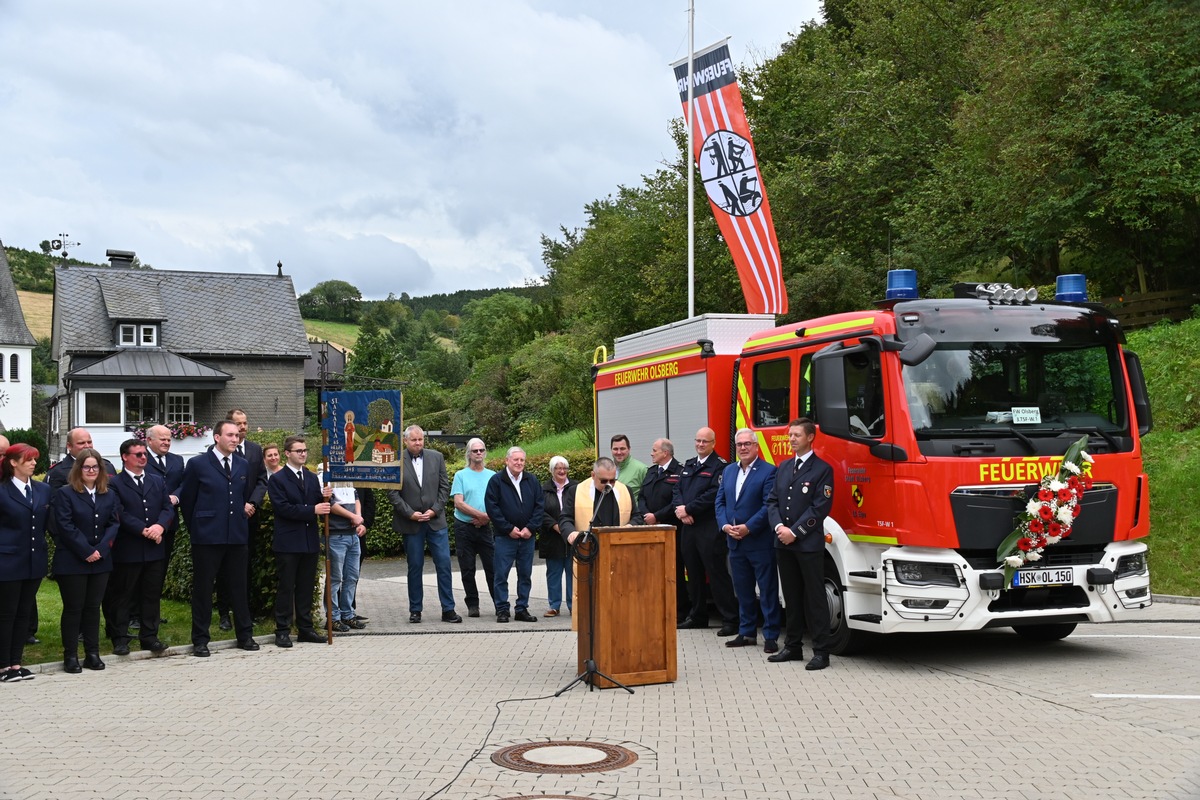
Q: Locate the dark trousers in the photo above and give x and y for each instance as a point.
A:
(802, 579)
(208, 561)
(81, 598)
(704, 553)
(683, 603)
(16, 602)
(297, 581)
(224, 591)
(469, 542)
(135, 589)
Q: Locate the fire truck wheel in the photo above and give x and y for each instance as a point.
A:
(845, 641)
(1050, 632)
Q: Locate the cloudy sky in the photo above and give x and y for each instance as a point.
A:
(404, 147)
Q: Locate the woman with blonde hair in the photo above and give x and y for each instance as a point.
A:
(550, 542)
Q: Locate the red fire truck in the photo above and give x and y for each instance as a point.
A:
(937, 417)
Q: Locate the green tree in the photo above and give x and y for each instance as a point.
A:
(495, 325)
(331, 300)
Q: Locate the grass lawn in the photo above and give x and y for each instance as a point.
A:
(1172, 462)
(343, 334)
(38, 309)
(178, 629)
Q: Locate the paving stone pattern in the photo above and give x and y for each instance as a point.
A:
(398, 715)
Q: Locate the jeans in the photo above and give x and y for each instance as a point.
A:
(344, 549)
(508, 552)
(555, 569)
(439, 548)
(471, 541)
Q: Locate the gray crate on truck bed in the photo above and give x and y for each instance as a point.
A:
(727, 332)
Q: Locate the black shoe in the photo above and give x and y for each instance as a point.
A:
(71, 665)
(135, 623)
(200, 650)
(10, 676)
(727, 630)
(787, 654)
(121, 648)
(354, 624)
(340, 627)
(361, 618)
(690, 623)
(819, 661)
(311, 636)
(742, 641)
(249, 645)
(414, 616)
(472, 611)
(154, 646)
(226, 624)
(283, 639)
(501, 616)
(770, 646)
(92, 661)
(524, 616)
(163, 621)
(450, 616)
(25, 675)
(35, 640)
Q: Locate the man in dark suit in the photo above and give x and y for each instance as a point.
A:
(655, 506)
(797, 507)
(600, 502)
(139, 553)
(703, 543)
(419, 516)
(257, 471)
(298, 502)
(168, 466)
(515, 503)
(742, 515)
(213, 495)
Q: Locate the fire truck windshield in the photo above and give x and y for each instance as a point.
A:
(1022, 389)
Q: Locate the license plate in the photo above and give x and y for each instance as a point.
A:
(1043, 577)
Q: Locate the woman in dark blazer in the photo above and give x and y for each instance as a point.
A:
(550, 544)
(87, 516)
(24, 515)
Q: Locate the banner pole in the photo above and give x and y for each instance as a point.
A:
(690, 160)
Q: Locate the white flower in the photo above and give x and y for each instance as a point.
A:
(1031, 508)
(1033, 555)
(1087, 457)
(1064, 514)
(1013, 561)
(1072, 468)
(1053, 539)
(1056, 484)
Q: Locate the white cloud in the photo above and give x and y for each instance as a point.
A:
(405, 147)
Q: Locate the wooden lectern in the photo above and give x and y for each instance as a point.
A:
(635, 605)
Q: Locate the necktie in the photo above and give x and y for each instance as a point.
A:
(29, 493)
(162, 463)
(241, 452)
(138, 479)
(300, 477)
(228, 473)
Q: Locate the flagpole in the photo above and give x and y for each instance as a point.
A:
(688, 161)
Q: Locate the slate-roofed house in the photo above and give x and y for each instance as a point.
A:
(137, 346)
(16, 355)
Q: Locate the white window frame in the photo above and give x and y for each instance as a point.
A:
(157, 403)
(127, 336)
(83, 398)
(173, 415)
(148, 336)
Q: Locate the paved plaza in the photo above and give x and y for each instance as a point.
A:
(400, 711)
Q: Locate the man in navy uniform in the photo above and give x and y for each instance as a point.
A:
(257, 476)
(742, 515)
(168, 466)
(139, 552)
(797, 508)
(703, 543)
(214, 494)
(298, 502)
(655, 507)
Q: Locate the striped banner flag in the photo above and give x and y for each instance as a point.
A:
(725, 156)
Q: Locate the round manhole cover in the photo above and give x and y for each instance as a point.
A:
(547, 797)
(558, 758)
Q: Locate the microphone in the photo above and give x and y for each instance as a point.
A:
(604, 492)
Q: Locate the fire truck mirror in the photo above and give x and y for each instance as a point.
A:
(917, 350)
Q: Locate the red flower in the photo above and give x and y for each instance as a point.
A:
(1075, 511)
(1054, 529)
(1045, 495)
(1025, 544)
(1074, 483)
(1046, 513)
(1035, 526)
(1086, 480)
(1064, 495)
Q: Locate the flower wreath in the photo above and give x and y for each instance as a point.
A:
(1050, 514)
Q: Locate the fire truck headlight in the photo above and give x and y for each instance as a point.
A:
(925, 605)
(1131, 565)
(926, 573)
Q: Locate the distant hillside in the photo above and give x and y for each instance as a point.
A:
(38, 308)
(455, 302)
(34, 272)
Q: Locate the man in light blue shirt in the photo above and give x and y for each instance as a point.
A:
(472, 529)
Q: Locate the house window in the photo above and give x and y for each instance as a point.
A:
(149, 336)
(1, 366)
(141, 407)
(127, 336)
(101, 408)
(179, 407)
(137, 335)
(14, 368)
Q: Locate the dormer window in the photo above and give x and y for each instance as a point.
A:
(137, 335)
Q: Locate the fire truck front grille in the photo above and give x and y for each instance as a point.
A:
(1062, 554)
(1039, 599)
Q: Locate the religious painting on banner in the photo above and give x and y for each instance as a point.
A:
(362, 442)
(725, 156)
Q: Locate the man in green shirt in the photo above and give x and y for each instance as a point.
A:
(630, 471)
